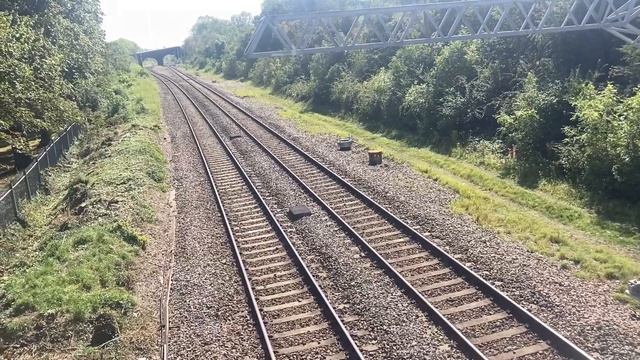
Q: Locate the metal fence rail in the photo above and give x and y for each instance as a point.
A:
(31, 180)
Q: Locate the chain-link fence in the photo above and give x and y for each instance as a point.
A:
(31, 180)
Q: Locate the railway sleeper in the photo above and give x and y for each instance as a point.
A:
(240, 205)
(524, 351)
(390, 242)
(259, 244)
(275, 274)
(294, 317)
(377, 229)
(306, 347)
(282, 294)
(267, 257)
(227, 181)
(263, 250)
(239, 197)
(253, 225)
(331, 191)
(429, 274)
(279, 283)
(371, 225)
(262, 229)
(268, 266)
(357, 217)
(253, 210)
(419, 265)
(398, 249)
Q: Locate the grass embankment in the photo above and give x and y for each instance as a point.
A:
(545, 222)
(66, 270)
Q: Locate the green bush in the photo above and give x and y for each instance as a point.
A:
(300, 90)
(489, 154)
(345, 90)
(602, 148)
(531, 123)
(373, 101)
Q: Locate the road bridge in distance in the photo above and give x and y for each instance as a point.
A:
(158, 54)
(334, 31)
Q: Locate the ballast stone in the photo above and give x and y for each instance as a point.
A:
(298, 212)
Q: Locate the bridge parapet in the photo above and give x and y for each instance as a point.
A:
(158, 54)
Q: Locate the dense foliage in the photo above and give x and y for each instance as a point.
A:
(546, 104)
(55, 67)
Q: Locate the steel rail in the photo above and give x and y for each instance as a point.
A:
(559, 342)
(344, 337)
(245, 278)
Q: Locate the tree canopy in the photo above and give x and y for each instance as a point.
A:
(53, 65)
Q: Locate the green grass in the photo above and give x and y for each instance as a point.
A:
(544, 222)
(71, 259)
(80, 273)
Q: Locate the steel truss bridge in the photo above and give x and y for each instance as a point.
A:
(334, 31)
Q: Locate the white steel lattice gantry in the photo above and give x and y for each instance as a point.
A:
(331, 31)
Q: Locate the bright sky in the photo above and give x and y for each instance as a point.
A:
(155, 24)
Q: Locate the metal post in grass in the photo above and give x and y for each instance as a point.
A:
(13, 197)
(68, 138)
(26, 181)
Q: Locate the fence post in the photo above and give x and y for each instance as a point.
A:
(26, 180)
(55, 151)
(13, 197)
(68, 139)
(46, 152)
(39, 169)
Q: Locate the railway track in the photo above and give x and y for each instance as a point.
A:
(293, 316)
(482, 320)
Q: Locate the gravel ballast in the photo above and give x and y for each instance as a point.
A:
(384, 322)
(209, 316)
(582, 310)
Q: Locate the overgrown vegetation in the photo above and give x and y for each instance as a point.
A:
(532, 97)
(65, 271)
(539, 135)
(52, 70)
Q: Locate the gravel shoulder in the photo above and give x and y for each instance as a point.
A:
(208, 308)
(582, 310)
